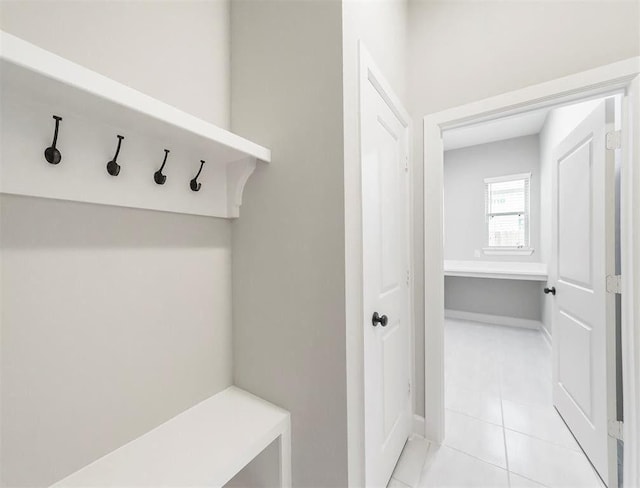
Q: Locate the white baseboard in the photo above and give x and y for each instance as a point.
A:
(546, 335)
(493, 319)
(418, 425)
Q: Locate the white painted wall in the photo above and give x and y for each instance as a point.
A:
(464, 201)
(469, 50)
(175, 51)
(288, 245)
(381, 26)
(560, 122)
(113, 319)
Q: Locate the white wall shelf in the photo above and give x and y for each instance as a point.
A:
(497, 270)
(206, 445)
(37, 84)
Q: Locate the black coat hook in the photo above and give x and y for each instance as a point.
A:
(113, 168)
(158, 176)
(51, 154)
(195, 186)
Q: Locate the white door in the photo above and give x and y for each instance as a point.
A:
(584, 313)
(385, 212)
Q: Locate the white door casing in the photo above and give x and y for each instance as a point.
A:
(630, 259)
(584, 313)
(385, 222)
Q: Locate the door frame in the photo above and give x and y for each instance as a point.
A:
(620, 76)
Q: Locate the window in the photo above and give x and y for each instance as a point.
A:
(507, 214)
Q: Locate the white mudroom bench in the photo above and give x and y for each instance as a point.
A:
(205, 446)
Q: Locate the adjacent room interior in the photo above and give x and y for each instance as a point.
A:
(500, 269)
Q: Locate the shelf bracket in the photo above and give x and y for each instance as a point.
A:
(238, 173)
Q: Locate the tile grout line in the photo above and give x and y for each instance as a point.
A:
(474, 457)
(553, 443)
(424, 463)
(527, 434)
(532, 480)
(401, 482)
(474, 417)
(504, 434)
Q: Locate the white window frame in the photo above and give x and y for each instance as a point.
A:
(526, 250)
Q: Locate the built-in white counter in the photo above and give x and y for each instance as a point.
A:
(498, 270)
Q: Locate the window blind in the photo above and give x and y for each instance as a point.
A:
(507, 211)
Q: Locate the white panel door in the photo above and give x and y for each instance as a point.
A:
(584, 313)
(385, 216)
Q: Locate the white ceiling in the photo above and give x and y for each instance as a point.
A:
(524, 124)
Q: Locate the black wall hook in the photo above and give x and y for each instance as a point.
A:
(51, 154)
(195, 186)
(113, 168)
(158, 176)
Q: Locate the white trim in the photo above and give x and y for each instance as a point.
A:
(497, 270)
(593, 83)
(500, 179)
(507, 251)
(488, 198)
(492, 319)
(630, 247)
(412, 272)
(433, 191)
(418, 425)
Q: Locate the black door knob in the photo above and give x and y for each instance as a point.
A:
(551, 290)
(377, 319)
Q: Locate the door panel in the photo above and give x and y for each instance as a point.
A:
(574, 369)
(584, 314)
(388, 187)
(384, 144)
(392, 360)
(574, 215)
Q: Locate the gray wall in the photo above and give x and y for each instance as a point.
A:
(509, 298)
(468, 50)
(464, 226)
(113, 319)
(288, 245)
(139, 43)
(464, 207)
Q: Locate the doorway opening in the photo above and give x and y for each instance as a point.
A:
(543, 270)
(503, 198)
(501, 267)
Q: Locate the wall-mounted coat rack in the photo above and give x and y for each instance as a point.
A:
(36, 84)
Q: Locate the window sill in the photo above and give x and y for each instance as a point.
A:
(507, 251)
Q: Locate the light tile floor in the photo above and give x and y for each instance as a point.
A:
(501, 427)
